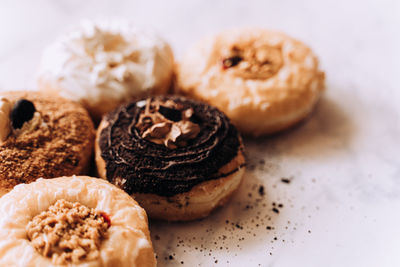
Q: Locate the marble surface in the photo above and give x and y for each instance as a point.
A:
(341, 207)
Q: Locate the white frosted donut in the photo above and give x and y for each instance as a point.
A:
(127, 242)
(105, 63)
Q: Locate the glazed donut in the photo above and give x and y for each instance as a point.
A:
(74, 221)
(42, 136)
(105, 63)
(179, 158)
(264, 81)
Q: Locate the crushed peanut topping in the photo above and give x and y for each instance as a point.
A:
(167, 123)
(253, 61)
(68, 232)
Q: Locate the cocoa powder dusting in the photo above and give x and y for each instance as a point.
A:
(52, 151)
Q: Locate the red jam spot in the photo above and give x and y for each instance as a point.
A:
(106, 218)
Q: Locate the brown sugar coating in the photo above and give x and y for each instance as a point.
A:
(61, 147)
(68, 232)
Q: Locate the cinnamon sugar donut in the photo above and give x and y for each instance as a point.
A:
(74, 221)
(42, 136)
(179, 158)
(264, 81)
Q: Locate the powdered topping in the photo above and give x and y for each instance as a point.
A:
(68, 232)
(49, 145)
(167, 123)
(253, 60)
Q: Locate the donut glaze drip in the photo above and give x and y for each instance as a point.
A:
(140, 166)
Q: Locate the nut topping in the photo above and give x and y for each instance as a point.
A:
(68, 232)
(253, 61)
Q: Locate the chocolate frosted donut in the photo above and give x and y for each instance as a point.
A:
(168, 146)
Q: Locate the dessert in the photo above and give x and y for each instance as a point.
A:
(179, 158)
(42, 136)
(103, 64)
(74, 221)
(264, 81)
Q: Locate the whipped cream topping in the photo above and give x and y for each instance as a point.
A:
(107, 61)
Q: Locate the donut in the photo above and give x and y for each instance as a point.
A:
(42, 136)
(264, 81)
(179, 158)
(74, 221)
(105, 63)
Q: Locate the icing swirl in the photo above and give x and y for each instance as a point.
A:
(138, 165)
(167, 123)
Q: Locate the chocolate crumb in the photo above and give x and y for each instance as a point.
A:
(275, 210)
(285, 180)
(171, 257)
(261, 190)
(239, 226)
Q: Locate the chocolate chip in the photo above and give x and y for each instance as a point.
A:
(21, 112)
(231, 61)
(196, 119)
(275, 210)
(261, 190)
(170, 113)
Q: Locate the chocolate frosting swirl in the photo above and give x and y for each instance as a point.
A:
(140, 166)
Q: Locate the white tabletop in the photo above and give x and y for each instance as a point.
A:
(341, 207)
